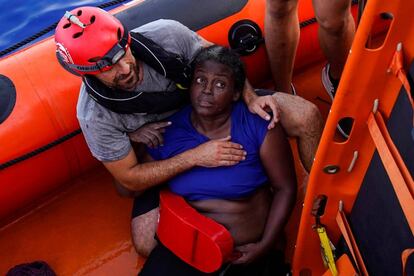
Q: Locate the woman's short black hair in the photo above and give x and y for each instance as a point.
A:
(226, 57)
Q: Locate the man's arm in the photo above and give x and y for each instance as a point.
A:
(138, 177)
(277, 160)
(204, 42)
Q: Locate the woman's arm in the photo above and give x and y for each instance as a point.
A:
(276, 156)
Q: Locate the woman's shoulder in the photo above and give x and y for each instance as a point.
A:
(241, 110)
(180, 124)
(249, 124)
(176, 136)
(181, 116)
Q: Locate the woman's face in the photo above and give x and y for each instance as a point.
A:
(212, 89)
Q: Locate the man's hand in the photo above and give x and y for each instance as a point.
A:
(219, 152)
(262, 105)
(249, 253)
(150, 134)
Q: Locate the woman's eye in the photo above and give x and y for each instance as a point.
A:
(199, 80)
(220, 84)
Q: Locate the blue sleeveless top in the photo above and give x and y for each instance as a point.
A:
(232, 182)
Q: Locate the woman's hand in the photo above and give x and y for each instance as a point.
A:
(150, 134)
(250, 252)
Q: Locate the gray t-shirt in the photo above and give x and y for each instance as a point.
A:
(106, 131)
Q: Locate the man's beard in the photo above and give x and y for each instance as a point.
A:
(131, 83)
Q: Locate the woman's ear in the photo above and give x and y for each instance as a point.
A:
(236, 95)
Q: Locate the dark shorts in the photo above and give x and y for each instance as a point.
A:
(147, 201)
(163, 262)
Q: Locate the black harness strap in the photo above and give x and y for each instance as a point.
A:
(127, 102)
(170, 65)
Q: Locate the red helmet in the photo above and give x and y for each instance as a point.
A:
(89, 40)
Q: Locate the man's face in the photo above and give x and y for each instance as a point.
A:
(126, 74)
(212, 88)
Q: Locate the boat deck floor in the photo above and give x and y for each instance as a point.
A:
(85, 228)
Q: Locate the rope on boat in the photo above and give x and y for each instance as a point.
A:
(39, 150)
(48, 29)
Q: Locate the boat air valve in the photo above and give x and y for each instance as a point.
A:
(7, 97)
(245, 36)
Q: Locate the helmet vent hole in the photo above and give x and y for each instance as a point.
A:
(119, 34)
(77, 34)
(67, 25)
(79, 13)
(93, 19)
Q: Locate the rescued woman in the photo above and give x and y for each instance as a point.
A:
(252, 199)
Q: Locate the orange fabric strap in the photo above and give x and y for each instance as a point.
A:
(404, 257)
(350, 241)
(402, 184)
(395, 153)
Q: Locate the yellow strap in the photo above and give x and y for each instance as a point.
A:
(180, 86)
(327, 250)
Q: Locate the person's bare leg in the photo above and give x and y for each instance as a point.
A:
(301, 119)
(336, 32)
(281, 39)
(143, 230)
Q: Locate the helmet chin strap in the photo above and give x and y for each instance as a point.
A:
(74, 19)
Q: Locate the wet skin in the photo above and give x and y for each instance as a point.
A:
(212, 95)
(245, 218)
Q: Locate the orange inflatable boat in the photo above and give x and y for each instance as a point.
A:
(40, 137)
(57, 203)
